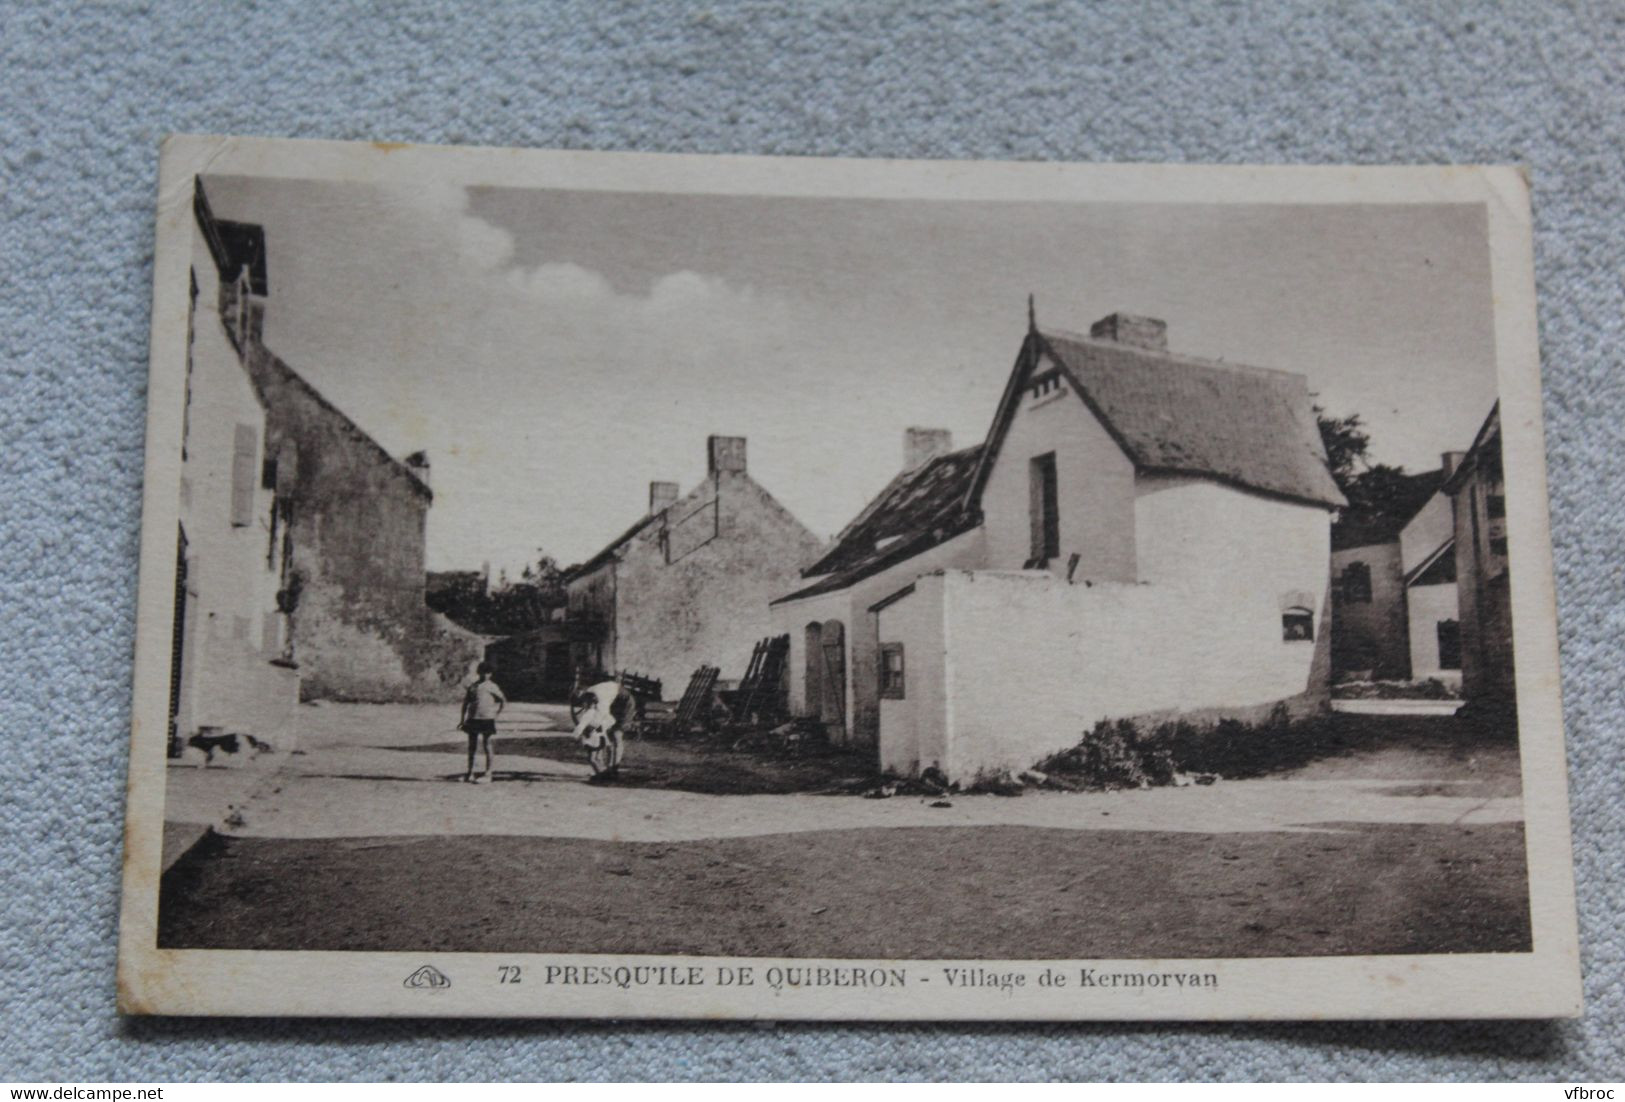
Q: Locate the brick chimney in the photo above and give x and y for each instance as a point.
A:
(725, 453)
(1449, 461)
(1133, 330)
(920, 446)
(662, 496)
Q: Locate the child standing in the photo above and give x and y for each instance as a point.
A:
(482, 703)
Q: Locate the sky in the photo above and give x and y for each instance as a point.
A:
(556, 351)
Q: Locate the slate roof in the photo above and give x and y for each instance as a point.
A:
(917, 510)
(1248, 426)
(1382, 523)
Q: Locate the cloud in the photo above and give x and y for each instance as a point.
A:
(564, 284)
(439, 212)
(523, 381)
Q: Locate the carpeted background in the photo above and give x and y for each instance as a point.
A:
(87, 92)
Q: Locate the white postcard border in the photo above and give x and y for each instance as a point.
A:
(1541, 983)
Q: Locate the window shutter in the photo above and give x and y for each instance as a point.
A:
(244, 475)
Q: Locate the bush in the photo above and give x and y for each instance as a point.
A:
(1119, 754)
(1430, 689)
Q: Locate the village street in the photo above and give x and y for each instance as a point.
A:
(363, 837)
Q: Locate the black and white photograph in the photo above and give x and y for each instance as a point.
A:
(677, 586)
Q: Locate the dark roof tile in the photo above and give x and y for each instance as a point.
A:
(1245, 425)
(917, 510)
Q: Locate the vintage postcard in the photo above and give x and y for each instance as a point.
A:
(580, 584)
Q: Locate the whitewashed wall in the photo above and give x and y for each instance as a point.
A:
(851, 607)
(1426, 532)
(234, 628)
(1030, 663)
(1425, 607)
(1200, 533)
(1094, 485)
(914, 729)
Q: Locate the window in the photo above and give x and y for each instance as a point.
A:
(244, 474)
(1298, 625)
(891, 671)
(1047, 383)
(1045, 509)
(1495, 511)
(1356, 584)
(1449, 632)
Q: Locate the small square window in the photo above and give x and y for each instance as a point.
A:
(1356, 584)
(891, 671)
(1298, 626)
(1449, 635)
(1495, 506)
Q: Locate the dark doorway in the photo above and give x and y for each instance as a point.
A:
(812, 695)
(1449, 632)
(833, 676)
(1045, 506)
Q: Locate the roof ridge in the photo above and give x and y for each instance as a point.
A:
(897, 482)
(283, 367)
(1117, 394)
(1184, 359)
(898, 498)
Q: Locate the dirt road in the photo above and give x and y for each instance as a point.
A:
(365, 841)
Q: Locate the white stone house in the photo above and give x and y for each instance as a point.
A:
(1427, 553)
(1140, 534)
(231, 662)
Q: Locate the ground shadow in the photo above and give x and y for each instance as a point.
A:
(697, 766)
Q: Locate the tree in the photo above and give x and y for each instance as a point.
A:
(1369, 487)
(1378, 488)
(1347, 444)
(510, 606)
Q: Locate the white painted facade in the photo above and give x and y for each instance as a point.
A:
(1178, 603)
(1026, 664)
(1426, 607)
(1426, 532)
(1099, 591)
(1094, 479)
(850, 607)
(232, 631)
(1429, 606)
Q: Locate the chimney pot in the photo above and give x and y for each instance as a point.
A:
(662, 496)
(725, 453)
(1134, 330)
(419, 463)
(920, 446)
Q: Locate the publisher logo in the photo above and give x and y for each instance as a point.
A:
(428, 977)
